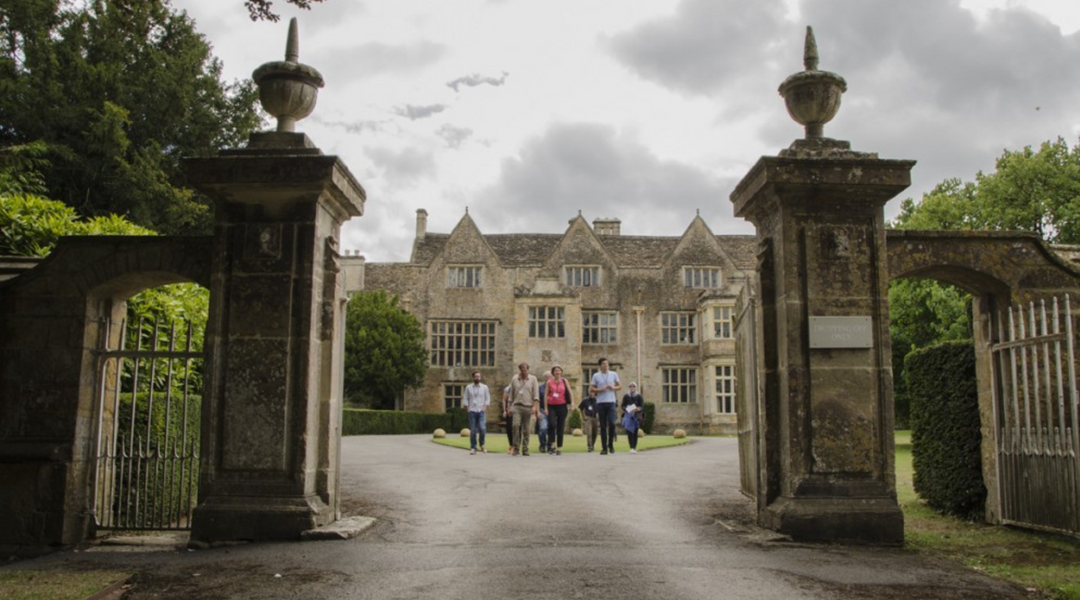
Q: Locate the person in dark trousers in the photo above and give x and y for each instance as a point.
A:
(589, 422)
(604, 384)
(558, 405)
(633, 406)
(508, 420)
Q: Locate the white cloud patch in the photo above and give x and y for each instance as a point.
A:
(476, 79)
(595, 169)
(413, 112)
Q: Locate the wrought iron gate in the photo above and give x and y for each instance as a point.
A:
(149, 405)
(1035, 417)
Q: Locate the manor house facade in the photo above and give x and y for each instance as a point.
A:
(660, 309)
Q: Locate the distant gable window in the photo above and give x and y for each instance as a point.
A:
(462, 343)
(452, 393)
(721, 322)
(598, 327)
(582, 276)
(679, 384)
(701, 277)
(725, 389)
(547, 322)
(678, 328)
(463, 276)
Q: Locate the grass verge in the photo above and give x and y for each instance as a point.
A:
(497, 444)
(55, 584)
(1035, 560)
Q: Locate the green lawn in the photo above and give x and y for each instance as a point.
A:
(55, 585)
(496, 443)
(1049, 563)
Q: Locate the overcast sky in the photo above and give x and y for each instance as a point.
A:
(528, 111)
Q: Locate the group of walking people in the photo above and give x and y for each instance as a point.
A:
(527, 404)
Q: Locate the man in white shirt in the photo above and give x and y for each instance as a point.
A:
(477, 399)
(604, 384)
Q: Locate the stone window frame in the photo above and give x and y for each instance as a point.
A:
(679, 384)
(462, 343)
(724, 380)
(453, 394)
(582, 275)
(701, 277)
(464, 276)
(551, 324)
(719, 324)
(681, 332)
(592, 333)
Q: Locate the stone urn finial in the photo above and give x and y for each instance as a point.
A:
(288, 89)
(812, 96)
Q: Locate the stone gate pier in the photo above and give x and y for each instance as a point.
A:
(825, 406)
(275, 351)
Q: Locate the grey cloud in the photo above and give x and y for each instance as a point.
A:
(476, 79)
(707, 45)
(374, 58)
(454, 136)
(355, 126)
(413, 113)
(592, 168)
(403, 168)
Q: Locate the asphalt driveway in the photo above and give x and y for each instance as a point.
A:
(667, 524)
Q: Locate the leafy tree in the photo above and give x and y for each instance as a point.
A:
(384, 350)
(32, 225)
(263, 9)
(117, 91)
(1035, 190)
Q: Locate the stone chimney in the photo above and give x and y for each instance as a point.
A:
(606, 226)
(421, 224)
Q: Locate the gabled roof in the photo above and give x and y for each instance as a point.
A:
(628, 251)
(523, 249)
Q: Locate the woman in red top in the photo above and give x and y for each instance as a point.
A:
(558, 401)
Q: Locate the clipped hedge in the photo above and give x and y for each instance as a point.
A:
(359, 421)
(459, 418)
(945, 435)
(650, 417)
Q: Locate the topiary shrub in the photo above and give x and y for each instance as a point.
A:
(945, 435)
(574, 420)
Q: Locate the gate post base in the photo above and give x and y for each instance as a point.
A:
(849, 520)
(258, 518)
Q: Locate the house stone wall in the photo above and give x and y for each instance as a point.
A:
(641, 277)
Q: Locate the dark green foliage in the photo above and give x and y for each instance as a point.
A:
(117, 92)
(650, 417)
(574, 420)
(459, 418)
(384, 350)
(922, 313)
(165, 434)
(263, 9)
(394, 422)
(945, 434)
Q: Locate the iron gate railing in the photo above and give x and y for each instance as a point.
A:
(149, 407)
(1035, 413)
